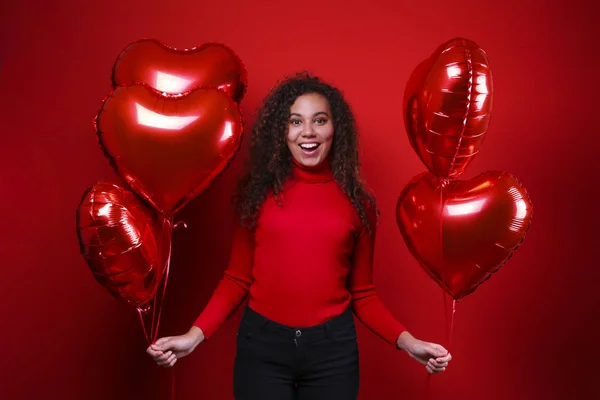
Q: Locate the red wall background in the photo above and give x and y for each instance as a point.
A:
(530, 332)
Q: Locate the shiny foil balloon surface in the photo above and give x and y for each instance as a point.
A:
(462, 231)
(123, 242)
(447, 106)
(174, 71)
(169, 148)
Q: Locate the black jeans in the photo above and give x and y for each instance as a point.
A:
(277, 362)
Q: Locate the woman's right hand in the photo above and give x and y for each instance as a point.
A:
(167, 350)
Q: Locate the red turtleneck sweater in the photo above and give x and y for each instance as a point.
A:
(305, 262)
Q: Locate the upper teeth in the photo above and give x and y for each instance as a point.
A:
(309, 146)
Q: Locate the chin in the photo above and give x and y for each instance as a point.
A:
(310, 162)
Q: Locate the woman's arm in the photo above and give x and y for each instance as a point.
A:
(226, 298)
(366, 304)
(370, 310)
(233, 287)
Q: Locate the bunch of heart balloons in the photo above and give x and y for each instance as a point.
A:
(169, 127)
(460, 231)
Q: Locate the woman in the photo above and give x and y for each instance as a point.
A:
(303, 251)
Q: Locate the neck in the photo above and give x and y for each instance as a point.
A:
(319, 173)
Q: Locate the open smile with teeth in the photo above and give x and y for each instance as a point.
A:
(309, 146)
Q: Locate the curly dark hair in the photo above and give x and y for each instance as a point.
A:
(270, 161)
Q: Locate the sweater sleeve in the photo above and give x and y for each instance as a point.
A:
(366, 304)
(234, 285)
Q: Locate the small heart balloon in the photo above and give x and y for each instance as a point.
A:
(447, 106)
(169, 148)
(174, 71)
(123, 242)
(463, 231)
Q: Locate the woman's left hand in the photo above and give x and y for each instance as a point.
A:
(434, 356)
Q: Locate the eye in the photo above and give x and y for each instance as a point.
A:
(320, 121)
(295, 122)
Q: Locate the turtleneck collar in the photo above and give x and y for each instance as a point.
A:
(320, 173)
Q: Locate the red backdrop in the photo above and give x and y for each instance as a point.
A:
(529, 332)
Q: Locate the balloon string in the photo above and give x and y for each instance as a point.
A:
(451, 324)
(143, 325)
(169, 224)
(446, 314)
(156, 312)
(449, 331)
(153, 320)
(441, 233)
(168, 267)
(441, 247)
(162, 300)
(173, 383)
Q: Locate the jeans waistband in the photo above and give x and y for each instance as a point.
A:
(254, 318)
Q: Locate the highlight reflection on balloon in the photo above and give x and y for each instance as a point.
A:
(123, 242)
(447, 105)
(169, 148)
(463, 231)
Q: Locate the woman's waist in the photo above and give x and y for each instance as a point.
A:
(301, 312)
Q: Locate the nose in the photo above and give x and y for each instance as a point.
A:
(308, 131)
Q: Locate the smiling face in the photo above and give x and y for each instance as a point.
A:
(310, 129)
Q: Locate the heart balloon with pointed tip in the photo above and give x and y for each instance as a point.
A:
(447, 106)
(463, 231)
(169, 148)
(174, 71)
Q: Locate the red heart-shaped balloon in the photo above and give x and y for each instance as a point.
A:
(447, 106)
(123, 241)
(173, 71)
(169, 148)
(463, 231)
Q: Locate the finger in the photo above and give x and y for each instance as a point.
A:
(170, 365)
(437, 364)
(164, 357)
(433, 370)
(445, 358)
(163, 361)
(156, 354)
(169, 361)
(436, 367)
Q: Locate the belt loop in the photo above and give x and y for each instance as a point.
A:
(327, 330)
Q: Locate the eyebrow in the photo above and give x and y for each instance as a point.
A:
(319, 113)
